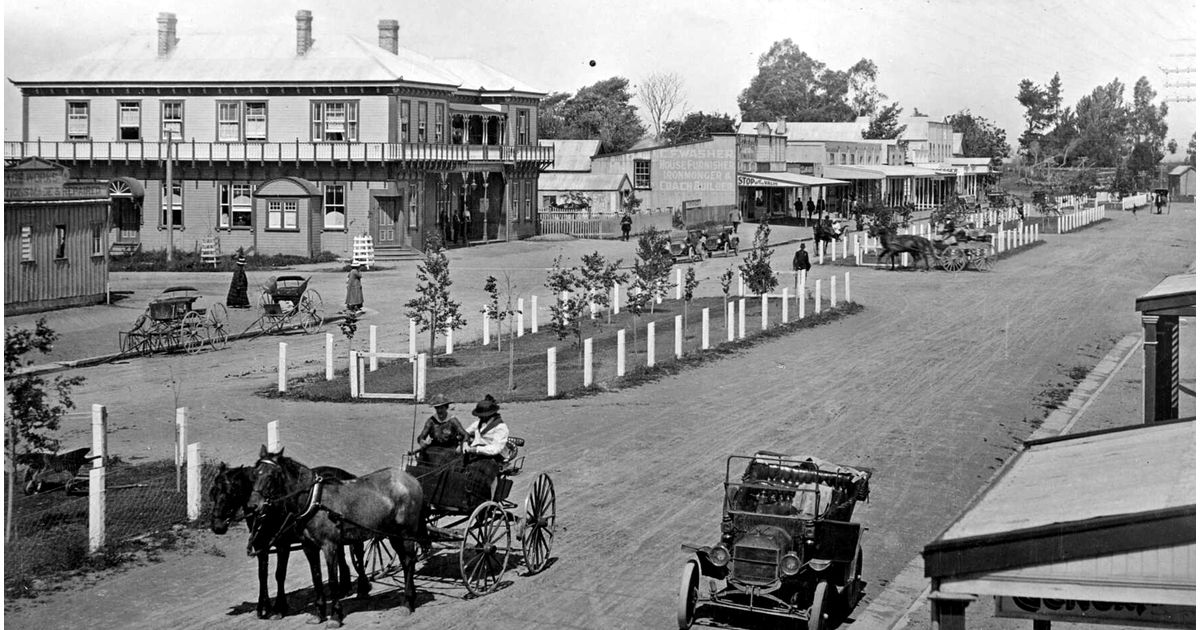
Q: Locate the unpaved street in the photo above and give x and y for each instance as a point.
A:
(933, 385)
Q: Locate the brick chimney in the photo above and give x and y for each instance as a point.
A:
(304, 38)
(166, 34)
(781, 125)
(389, 36)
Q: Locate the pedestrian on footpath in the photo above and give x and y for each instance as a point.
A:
(626, 226)
(354, 295)
(800, 260)
(466, 229)
(735, 218)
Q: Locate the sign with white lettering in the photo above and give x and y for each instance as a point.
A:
(1116, 613)
(746, 180)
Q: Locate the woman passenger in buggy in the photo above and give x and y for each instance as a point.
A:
(486, 438)
(439, 441)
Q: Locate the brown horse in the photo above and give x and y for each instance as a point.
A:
(893, 244)
(289, 496)
(229, 496)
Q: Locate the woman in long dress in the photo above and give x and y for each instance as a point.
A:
(354, 296)
(237, 297)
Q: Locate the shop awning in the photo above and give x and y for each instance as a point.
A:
(1175, 295)
(1106, 516)
(785, 180)
(852, 173)
(469, 108)
(877, 171)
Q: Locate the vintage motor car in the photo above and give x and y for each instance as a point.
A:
(787, 548)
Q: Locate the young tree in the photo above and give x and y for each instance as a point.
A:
(661, 94)
(566, 314)
(656, 260)
(35, 406)
(756, 266)
(598, 277)
(500, 307)
(432, 309)
(689, 288)
(726, 280)
(637, 298)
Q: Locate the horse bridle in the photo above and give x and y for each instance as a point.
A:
(291, 521)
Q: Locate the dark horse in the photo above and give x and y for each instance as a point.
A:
(821, 234)
(386, 503)
(893, 244)
(230, 498)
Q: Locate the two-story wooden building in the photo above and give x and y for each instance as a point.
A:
(286, 142)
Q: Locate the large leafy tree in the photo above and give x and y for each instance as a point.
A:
(599, 111)
(1191, 151)
(697, 126)
(796, 87)
(1103, 124)
(1042, 105)
(981, 138)
(1147, 129)
(885, 124)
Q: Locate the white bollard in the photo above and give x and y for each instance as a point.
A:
(817, 301)
(741, 285)
(97, 495)
(784, 316)
(845, 244)
(833, 251)
(729, 308)
(193, 482)
(678, 283)
(857, 251)
(421, 364)
(282, 366)
(846, 286)
(487, 332)
(353, 374)
(180, 436)
(551, 372)
(520, 317)
(650, 344)
(591, 309)
(820, 252)
(678, 336)
(832, 291)
(621, 352)
(533, 324)
(329, 356)
(742, 318)
(449, 341)
(273, 436)
(412, 336)
(763, 315)
(587, 362)
(616, 299)
(99, 436)
(374, 348)
(704, 329)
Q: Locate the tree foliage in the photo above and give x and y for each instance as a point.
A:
(653, 264)
(566, 312)
(432, 309)
(791, 85)
(981, 138)
(756, 266)
(697, 126)
(35, 406)
(599, 276)
(661, 93)
(1191, 151)
(885, 124)
(599, 111)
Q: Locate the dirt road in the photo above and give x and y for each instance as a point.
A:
(932, 386)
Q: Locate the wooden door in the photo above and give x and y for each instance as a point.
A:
(390, 227)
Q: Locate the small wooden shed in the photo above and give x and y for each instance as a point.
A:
(1182, 182)
(55, 239)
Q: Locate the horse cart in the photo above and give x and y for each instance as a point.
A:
(787, 548)
(173, 322)
(475, 519)
(286, 300)
(969, 246)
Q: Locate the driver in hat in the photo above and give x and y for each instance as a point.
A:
(486, 439)
(443, 433)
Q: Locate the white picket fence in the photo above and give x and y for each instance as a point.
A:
(585, 225)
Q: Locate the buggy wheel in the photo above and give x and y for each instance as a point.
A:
(538, 538)
(953, 259)
(689, 591)
(218, 326)
(483, 556)
(380, 560)
(311, 321)
(311, 300)
(818, 614)
(985, 262)
(192, 333)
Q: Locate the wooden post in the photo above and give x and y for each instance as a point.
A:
(846, 286)
(820, 252)
(741, 285)
(282, 366)
(678, 336)
(412, 336)
(533, 323)
(521, 317)
(353, 374)
(741, 318)
(729, 308)
(621, 352)
(551, 372)
(421, 364)
(784, 315)
(832, 291)
(193, 481)
(650, 344)
(704, 329)
(678, 283)
(99, 436)
(587, 362)
(329, 356)
(616, 299)
(763, 314)
(487, 333)
(817, 300)
(97, 496)
(374, 342)
(180, 446)
(273, 436)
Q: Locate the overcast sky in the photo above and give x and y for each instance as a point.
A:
(940, 56)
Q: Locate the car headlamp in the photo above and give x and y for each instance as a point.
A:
(790, 565)
(719, 556)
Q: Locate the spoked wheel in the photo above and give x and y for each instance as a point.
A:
(264, 299)
(538, 538)
(985, 262)
(483, 557)
(689, 591)
(311, 300)
(311, 320)
(818, 614)
(218, 326)
(192, 333)
(953, 259)
(380, 560)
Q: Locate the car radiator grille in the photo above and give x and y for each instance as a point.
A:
(755, 565)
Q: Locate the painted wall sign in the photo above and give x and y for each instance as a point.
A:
(1116, 613)
(746, 180)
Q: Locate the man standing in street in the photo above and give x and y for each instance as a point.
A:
(626, 226)
(800, 265)
(735, 218)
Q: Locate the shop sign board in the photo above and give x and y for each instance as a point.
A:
(1115, 613)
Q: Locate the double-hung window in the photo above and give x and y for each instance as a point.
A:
(641, 173)
(256, 121)
(281, 214)
(422, 121)
(175, 203)
(239, 121)
(172, 120)
(335, 121)
(522, 127)
(439, 123)
(78, 120)
(529, 200)
(335, 207)
(235, 205)
(229, 122)
(516, 200)
(129, 120)
(405, 113)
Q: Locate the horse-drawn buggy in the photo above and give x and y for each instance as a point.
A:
(173, 322)
(288, 299)
(964, 246)
(787, 548)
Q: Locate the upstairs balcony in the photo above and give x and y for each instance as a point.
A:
(428, 155)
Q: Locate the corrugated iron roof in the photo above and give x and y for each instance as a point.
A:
(807, 131)
(581, 181)
(477, 75)
(572, 155)
(1180, 170)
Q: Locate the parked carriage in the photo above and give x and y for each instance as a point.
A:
(721, 240)
(966, 246)
(788, 547)
(476, 519)
(286, 300)
(173, 322)
(686, 246)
